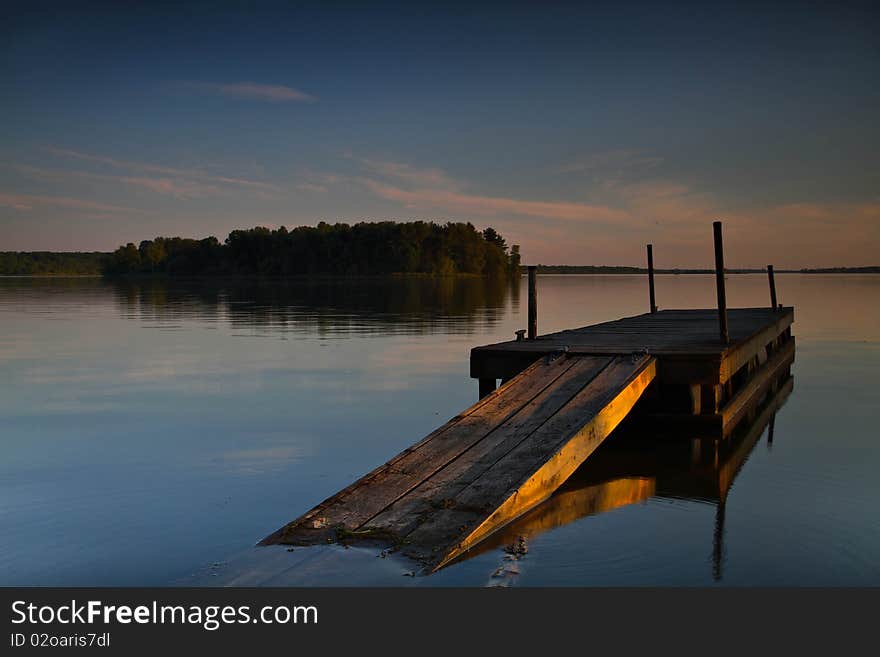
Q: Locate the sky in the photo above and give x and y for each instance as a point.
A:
(580, 131)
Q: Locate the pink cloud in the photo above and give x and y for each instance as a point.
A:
(432, 188)
(494, 205)
(410, 175)
(312, 187)
(671, 214)
(253, 91)
(611, 161)
(178, 188)
(163, 170)
(26, 202)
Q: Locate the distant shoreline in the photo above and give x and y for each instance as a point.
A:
(548, 270)
(40, 264)
(592, 269)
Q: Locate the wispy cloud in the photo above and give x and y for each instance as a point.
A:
(157, 168)
(177, 187)
(27, 202)
(611, 162)
(312, 187)
(434, 189)
(458, 202)
(252, 91)
(432, 178)
(182, 189)
(671, 213)
(316, 182)
(177, 182)
(118, 164)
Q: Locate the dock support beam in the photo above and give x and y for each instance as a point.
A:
(487, 386)
(719, 281)
(533, 302)
(651, 277)
(772, 281)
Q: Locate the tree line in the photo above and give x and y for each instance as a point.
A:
(385, 247)
(42, 263)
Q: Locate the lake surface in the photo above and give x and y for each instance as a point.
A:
(153, 432)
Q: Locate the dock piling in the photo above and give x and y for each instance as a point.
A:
(650, 249)
(719, 281)
(533, 302)
(487, 386)
(772, 281)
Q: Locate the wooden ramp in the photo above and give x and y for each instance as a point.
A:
(486, 466)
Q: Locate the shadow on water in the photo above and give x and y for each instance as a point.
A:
(326, 306)
(632, 467)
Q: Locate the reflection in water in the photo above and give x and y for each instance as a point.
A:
(634, 467)
(324, 306)
(135, 414)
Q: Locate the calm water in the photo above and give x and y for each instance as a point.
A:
(153, 432)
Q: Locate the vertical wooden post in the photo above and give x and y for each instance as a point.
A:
(533, 302)
(772, 286)
(719, 281)
(651, 277)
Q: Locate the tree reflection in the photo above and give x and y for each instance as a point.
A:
(325, 306)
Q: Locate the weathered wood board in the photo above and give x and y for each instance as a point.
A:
(486, 466)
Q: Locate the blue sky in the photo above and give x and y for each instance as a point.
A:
(580, 131)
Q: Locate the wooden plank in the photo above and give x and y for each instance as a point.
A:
(367, 496)
(531, 472)
(441, 490)
(760, 382)
(740, 354)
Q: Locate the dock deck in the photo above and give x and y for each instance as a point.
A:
(698, 374)
(685, 340)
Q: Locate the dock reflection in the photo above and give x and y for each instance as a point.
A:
(634, 467)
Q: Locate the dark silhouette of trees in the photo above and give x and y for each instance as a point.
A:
(339, 249)
(31, 263)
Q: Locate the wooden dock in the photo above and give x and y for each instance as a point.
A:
(698, 375)
(699, 371)
(510, 451)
